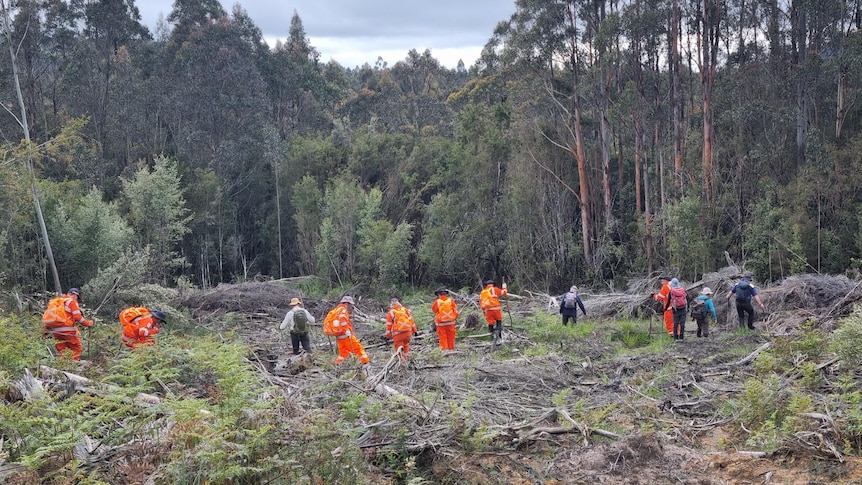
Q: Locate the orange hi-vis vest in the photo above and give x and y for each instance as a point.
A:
(445, 310)
(489, 300)
(337, 322)
(61, 315)
(399, 320)
(138, 323)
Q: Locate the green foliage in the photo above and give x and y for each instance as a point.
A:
(89, 237)
(630, 336)
(687, 243)
(129, 271)
(307, 199)
(159, 215)
(395, 255)
(21, 346)
(548, 329)
(336, 252)
(847, 340)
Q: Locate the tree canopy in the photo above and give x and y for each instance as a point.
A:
(592, 141)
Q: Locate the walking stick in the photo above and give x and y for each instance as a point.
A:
(511, 322)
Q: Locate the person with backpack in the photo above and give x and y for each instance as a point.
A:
(338, 324)
(489, 301)
(296, 321)
(445, 314)
(677, 303)
(139, 326)
(701, 309)
(745, 292)
(60, 320)
(569, 303)
(400, 327)
(662, 297)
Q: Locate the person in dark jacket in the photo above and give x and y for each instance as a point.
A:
(569, 303)
(745, 292)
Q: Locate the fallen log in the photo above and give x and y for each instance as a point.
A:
(83, 381)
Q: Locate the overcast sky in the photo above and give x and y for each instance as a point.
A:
(354, 32)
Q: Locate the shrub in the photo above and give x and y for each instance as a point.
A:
(847, 340)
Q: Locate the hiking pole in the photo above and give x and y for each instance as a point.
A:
(511, 321)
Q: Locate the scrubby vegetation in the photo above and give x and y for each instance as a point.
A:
(210, 404)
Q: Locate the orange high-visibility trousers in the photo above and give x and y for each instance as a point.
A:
(351, 345)
(68, 342)
(668, 321)
(446, 334)
(402, 340)
(494, 316)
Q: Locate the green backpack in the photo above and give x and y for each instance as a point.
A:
(300, 322)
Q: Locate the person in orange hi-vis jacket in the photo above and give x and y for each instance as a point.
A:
(347, 341)
(445, 313)
(139, 326)
(489, 301)
(60, 319)
(662, 296)
(400, 327)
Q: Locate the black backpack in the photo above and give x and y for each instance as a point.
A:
(300, 322)
(698, 308)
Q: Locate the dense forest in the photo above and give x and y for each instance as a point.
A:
(593, 140)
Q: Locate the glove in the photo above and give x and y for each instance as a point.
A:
(387, 336)
(155, 330)
(347, 333)
(504, 286)
(87, 323)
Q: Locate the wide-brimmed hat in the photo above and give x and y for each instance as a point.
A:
(489, 282)
(76, 292)
(573, 288)
(674, 283)
(665, 277)
(295, 301)
(159, 315)
(747, 277)
(347, 299)
(441, 290)
(706, 291)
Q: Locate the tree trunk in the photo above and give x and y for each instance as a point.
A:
(30, 167)
(711, 33)
(799, 25)
(677, 91)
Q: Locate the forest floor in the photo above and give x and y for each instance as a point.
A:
(611, 400)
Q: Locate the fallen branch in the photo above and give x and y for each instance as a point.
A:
(534, 432)
(83, 381)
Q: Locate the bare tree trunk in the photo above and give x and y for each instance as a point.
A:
(605, 129)
(278, 217)
(711, 33)
(677, 91)
(648, 224)
(799, 26)
(30, 167)
(639, 175)
(579, 151)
